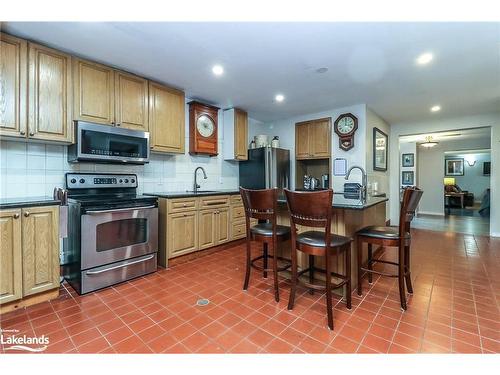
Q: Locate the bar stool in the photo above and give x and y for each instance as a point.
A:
(393, 236)
(314, 209)
(262, 205)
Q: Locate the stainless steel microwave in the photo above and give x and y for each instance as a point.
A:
(108, 144)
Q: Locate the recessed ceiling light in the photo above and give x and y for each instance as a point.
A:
(217, 70)
(425, 58)
(435, 108)
(279, 98)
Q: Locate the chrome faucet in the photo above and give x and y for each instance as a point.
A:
(364, 180)
(196, 186)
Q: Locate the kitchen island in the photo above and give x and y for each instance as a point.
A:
(349, 215)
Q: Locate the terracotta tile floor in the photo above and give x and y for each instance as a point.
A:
(454, 309)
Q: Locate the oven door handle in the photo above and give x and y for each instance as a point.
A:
(90, 273)
(94, 212)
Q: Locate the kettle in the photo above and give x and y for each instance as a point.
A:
(314, 184)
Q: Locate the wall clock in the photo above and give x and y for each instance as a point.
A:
(345, 126)
(203, 124)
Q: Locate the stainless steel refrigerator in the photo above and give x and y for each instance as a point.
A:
(266, 167)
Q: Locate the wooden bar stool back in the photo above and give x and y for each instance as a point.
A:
(391, 236)
(314, 209)
(262, 205)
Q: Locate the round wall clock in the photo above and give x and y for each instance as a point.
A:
(345, 126)
(205, 126)
(203, 129)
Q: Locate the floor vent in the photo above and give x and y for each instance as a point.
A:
(202, 302)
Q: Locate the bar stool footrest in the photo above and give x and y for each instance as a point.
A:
(269, 256)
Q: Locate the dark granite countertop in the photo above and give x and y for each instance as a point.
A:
(339, 199)
(6, 203)
(188, 194)
(350, 203)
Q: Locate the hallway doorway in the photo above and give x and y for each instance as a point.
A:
(453, 168)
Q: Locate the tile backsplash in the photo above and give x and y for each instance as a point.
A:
(34, 169)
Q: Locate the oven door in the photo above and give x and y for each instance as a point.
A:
(117, 234)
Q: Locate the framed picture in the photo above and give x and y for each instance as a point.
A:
(454, 167)
(408, 160)
(407, 178)
(380, 145)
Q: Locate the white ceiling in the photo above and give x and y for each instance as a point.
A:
(449, 136)
(371, 63)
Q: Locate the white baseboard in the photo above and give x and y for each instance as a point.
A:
(494, 234)
(430, 213)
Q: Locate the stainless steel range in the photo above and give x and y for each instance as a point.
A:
(112, 231)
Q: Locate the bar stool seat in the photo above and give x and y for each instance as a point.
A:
(317, 239)
(266, 229)
(389, 232)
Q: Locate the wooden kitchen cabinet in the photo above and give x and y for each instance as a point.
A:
(11, 277)
(190, 224)
(40, 226)
(13, 84)
(321, 134)
(235, 134)
(29, 256)
(237, 218)
(222, 231)
(107, 96)
(50, 94)
(207, 227)
(302, 140)
(182, 233)
(131, 101)
(312, 139)
(166, 119)
(94, 92)
(214, 227)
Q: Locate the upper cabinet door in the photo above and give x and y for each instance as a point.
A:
(94, 92)
(11, 278)
(240, 135)
(131, 101)
(50, 94)
(166, 119)
(40, 249)
(302, 144)
(320, 140)
(13, 86)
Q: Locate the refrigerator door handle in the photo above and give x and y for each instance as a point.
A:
(267, 160)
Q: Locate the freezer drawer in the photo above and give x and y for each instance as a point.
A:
(114, 273)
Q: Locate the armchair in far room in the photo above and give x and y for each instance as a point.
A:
(456, 197)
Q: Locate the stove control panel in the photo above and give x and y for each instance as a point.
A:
(98, 180)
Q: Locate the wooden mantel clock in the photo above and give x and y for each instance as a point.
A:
(203, 120)
(345, 126)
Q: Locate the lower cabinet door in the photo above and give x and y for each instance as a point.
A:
(223, 231)
(40, 233)
(182, 233)
(11, 285)
(207, 223)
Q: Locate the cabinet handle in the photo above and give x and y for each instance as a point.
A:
(32, 134)
(16, 216)
(23, 132)
(26, 214)
(113, 123)
(118, 124)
